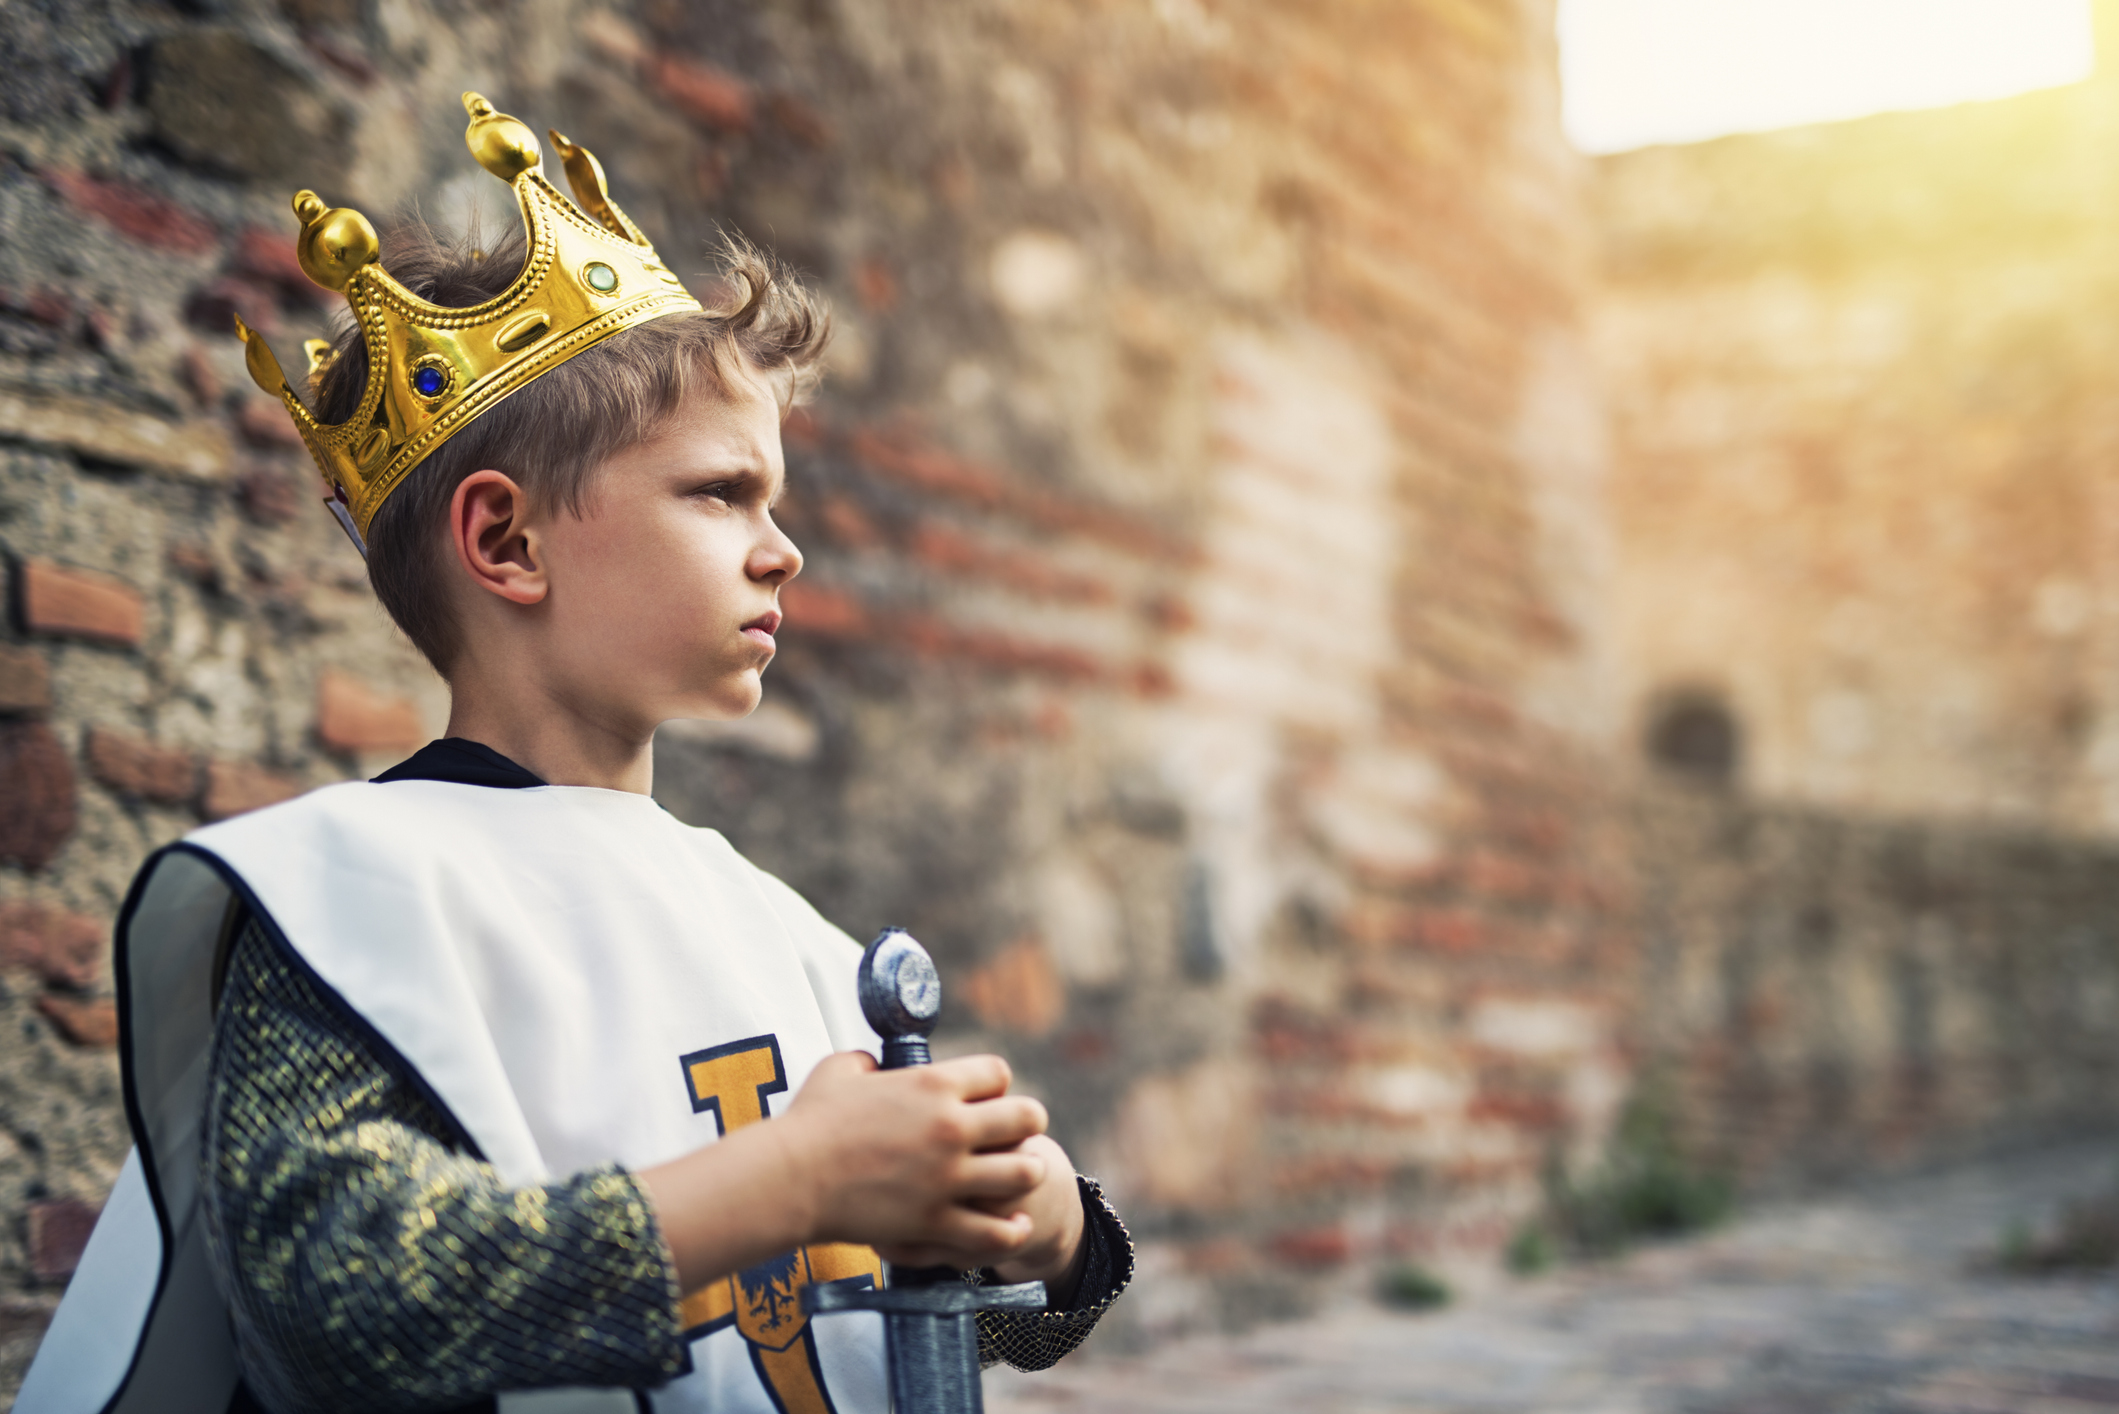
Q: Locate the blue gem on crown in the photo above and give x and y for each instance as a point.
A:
(428, 382)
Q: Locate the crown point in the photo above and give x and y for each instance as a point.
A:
(307, 206)
(335, 244)
(503, 145)
(264, 369)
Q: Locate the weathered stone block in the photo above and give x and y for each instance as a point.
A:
(62, 947)
(106, 432)
(266, 424)
(352, 716)
(707, 94)
(37, 803)
(58, 1232)
(62, 602)
(220, 98)
(85, 1021)
(25, 682)
(233, 787)
(131, 766)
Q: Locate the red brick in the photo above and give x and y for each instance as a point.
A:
(848, 523)
(1450, 930)
(270, 496)
(205, 384)
(63, 947)
(85, 1021)
(37, 805)
(352, 716)
(63, 602)
(25, 682)
(903, 456)
(825, 613)
(132, 766)
(196, 563)
(798, 119)
(215, 305)
(945, 548)
(269, 256)
(266, 424)
(710, 95)
(134, 211)
(51, 308)
(58, 1233)
(874, 285)
(1018, 990)
(234, 787)
(1313, 1246)
(344, 58)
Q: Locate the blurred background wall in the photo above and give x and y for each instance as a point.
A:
(1360, 638)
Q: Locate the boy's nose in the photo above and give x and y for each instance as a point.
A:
(778, 559)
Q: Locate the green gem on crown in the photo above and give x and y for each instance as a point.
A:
(600, 277)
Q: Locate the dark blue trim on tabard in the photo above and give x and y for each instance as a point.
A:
(128, 1088)
(150, 1169)
(461, 761)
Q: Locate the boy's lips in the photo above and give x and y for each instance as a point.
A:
(762, 628)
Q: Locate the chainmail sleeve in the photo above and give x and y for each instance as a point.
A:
(371, 1262)
(1036, 1340)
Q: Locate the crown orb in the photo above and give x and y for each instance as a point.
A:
(503, 145)
(335, 244)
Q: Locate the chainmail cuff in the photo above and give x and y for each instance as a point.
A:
(1036, 1340)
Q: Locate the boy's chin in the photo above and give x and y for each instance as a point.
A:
(727, 703)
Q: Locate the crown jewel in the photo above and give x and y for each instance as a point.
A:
(432, 368)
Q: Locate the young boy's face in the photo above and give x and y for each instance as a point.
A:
(664, 592)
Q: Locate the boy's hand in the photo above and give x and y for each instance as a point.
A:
(1055, 1253)
(932, 1165)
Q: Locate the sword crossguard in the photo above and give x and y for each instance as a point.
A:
(954, 1299)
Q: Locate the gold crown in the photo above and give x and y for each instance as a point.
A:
(432, 369)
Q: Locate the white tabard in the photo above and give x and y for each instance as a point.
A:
(578, 977)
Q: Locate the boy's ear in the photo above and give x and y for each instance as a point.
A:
(491, 531)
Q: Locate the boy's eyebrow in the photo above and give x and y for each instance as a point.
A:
(754, 473)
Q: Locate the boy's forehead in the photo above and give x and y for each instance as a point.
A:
(739, 422)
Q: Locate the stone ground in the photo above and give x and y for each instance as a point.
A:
(1870, 1301)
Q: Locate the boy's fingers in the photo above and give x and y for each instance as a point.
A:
(984, 1237)
(974, 1077)
(998, 1176)
(1002, 1123)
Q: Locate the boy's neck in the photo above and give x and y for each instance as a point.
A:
(563, 746)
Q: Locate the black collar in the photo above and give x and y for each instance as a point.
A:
(461, 762)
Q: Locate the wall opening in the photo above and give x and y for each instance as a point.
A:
(1694, 736)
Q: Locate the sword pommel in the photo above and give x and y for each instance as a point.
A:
(901, 995)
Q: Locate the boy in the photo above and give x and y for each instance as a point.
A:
(454, 1085)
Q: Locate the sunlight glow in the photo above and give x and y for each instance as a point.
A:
(1635, 72)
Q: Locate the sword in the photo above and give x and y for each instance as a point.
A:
(930, 1320)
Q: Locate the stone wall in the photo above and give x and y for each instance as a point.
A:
(1860, 380)
(1219, 640)
(1199, 646)
(1826, 996)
